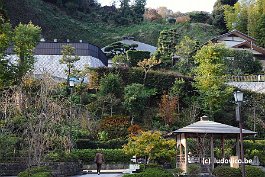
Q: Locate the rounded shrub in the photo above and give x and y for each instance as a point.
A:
(226, 171)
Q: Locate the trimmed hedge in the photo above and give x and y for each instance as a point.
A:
(111, 144)
(135, 56)
(151, 172)
(226, 171)
(111, 155)
(161, 80)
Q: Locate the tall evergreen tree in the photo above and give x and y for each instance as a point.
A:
(261, 31)
(218, 13)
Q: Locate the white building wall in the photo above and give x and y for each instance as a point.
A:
(51, 64)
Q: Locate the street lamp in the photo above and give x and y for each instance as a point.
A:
(71, 85)
(239, 99)
(175, 59)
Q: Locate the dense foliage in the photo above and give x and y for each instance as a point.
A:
(152, 146)
(247, 17)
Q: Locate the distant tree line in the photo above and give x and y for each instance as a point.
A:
(127, 13)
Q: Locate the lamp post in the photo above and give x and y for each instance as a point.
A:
(239, 99)
(175, 59)
(71, 85)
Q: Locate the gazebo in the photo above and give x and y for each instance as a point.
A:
(210, 129)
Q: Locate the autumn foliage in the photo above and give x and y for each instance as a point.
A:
(168, 109)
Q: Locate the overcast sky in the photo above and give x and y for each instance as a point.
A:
(176, 5)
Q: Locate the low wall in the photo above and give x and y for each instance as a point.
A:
(11, 169)
(59, 169)
(106, 166)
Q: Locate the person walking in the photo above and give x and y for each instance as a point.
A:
(99, 159)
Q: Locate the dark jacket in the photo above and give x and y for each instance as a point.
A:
(99, 158)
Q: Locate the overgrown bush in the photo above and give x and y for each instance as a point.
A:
(111, 155)
(194, 169)
(226, 171)
(254, 172)
(255, 148)
(151, 172)
(36, 172)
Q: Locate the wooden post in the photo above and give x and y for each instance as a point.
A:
(212, 153)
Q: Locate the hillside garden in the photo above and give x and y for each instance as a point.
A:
(125, 110)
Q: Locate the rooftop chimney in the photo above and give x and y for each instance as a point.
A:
(55, 40)
(204, 118)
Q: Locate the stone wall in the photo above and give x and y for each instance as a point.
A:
(11, 169)
(258, 87)
(59, 169)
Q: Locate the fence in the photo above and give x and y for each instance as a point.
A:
(250, 78)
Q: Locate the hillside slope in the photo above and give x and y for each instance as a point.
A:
(55, 23)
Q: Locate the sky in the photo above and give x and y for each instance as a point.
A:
(176, 5)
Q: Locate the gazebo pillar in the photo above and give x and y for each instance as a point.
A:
(186, 153)
(212, 153)
(223, 147)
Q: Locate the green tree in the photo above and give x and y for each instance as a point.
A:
(135, 99)
(218, 13)
(139, 10)
(210, 78)
(111, 84)
(69, 58)
(151, 145)
(185, 50)
(236, 17)
(260, 35)
(25, 39)
(167, 42)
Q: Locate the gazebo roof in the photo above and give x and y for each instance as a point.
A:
(211, 127)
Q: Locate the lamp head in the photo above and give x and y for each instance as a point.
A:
(238, 95)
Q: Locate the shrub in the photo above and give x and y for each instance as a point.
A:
(194, 169)
(36, 172)
(254, 172)
(151, 172)
(226, 171)
(115, 126)
(135, 56)
(110, 155)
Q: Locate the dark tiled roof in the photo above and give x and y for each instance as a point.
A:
(82, 49)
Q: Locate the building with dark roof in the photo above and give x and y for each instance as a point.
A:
(240, 41)
(48, 55)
